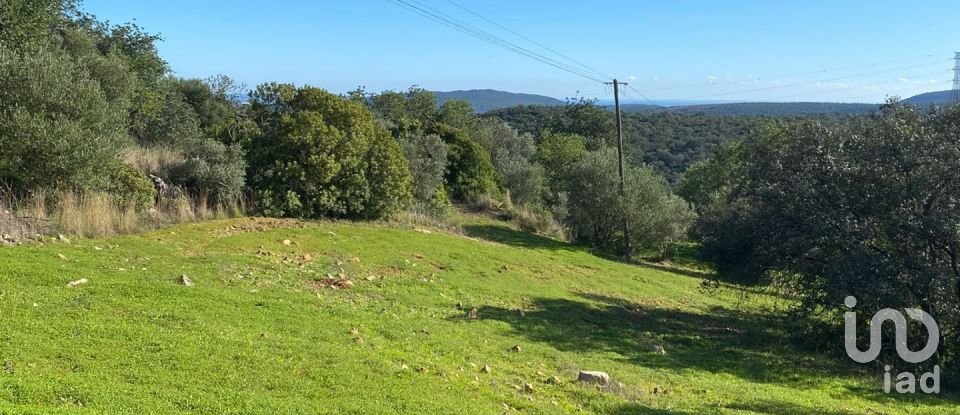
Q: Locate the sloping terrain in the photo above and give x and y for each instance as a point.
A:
(430, 323)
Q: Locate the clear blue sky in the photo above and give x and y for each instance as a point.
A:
(710, 50)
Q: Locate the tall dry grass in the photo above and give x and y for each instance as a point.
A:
(153, 159)
(94, 214)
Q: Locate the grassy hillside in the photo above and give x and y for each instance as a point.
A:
(261, 333)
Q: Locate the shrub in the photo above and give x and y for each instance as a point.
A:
(427, 157)
(212, 168)
(131, 187)
(324, 156)
(597, 208)
(57, 129)
(470, 173)
(511, 155)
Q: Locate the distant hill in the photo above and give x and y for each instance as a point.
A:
(777, 109)
(484, 100)
(930, 98)
(760, 109)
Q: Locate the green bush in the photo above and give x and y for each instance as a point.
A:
(470, 173)
(212, 168)
(427, 156)
(58, 128)
(597, 208)
(131, 187)
(321, 155)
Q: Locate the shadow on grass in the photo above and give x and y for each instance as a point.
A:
(512, 237)
(763, 407)
(749, 346)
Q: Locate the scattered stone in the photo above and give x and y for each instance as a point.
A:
(404, 366)
(185, 280)
(504, 268)
(515, 349)
(485, 369)
(371, 278)
(589, 376)
(355, 331)
(527, 388)
(554, 380)
(307, 258)
(62, 238)
(459, 306)
(286, 242)
(355, 260)
(473, 314)
(62, 256)
(331, 233)
(659, 350)
(423, 231)
(81, 281)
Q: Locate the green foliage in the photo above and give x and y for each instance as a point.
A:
(174, 123)
(667, 141)
(458, 114)
(58, 128)
(597, 208)
(511, 154)
(324, 156)
(211, 168)
(427, 157)
(557, 153)
(470, 173)
(411, 112)
(26, 23)
(131, 187)
(867, 209)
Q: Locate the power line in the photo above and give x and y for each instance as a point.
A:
(574, 61)
(468, 29)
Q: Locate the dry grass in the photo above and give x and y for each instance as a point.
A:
(539, 222)
(421, 218)
(153, 159)
(96, 214)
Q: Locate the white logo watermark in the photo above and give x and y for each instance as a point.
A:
(906, 382)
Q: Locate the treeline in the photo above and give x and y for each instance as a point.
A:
(667, 141)
(89, 108)
(869, 208)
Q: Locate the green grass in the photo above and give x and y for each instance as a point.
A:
(257, 334)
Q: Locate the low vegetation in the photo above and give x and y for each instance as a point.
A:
(429, 323)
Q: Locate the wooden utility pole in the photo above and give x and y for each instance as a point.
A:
(627, 250)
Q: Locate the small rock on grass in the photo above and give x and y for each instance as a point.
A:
(485, 369)
(286, 242)
(185, 280)
(589, 376)
(81, 281)
(515, 349)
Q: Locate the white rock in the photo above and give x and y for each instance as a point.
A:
(590, 376)
(185, 280)
(81, 281)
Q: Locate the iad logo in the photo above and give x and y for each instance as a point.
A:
(906, 381)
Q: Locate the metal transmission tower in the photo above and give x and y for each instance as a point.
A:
(955, 97)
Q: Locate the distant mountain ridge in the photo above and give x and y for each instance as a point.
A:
(483, 100)
(486, 100)
(931, 98)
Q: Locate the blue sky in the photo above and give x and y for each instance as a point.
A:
(812, 50)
